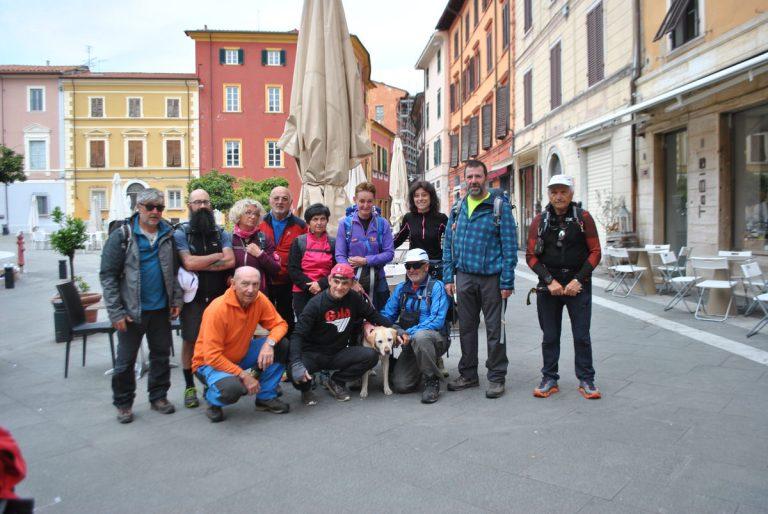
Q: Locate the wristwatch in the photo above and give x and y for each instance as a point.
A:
(271, 343)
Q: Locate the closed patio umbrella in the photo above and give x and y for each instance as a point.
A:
(398, 184)
(118, 209)
(356, 176)
(95, 224)
(326, 129)
(33, 220)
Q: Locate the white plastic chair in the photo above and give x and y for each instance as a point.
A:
(754, 284)
(623, 269)
(610, 265)
(40, 239)
(676, 280)
(712, 265)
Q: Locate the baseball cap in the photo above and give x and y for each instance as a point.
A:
(416, 255)
(343, 270)
(189, 282)
(561, 180)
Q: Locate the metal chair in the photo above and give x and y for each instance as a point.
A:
(754, 284)
(78, 325)
(610, 265)
(712, 265)
(623, 269)
(654, 259)
(760, 300)
(676, 280)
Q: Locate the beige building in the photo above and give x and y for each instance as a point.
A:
(574, 64)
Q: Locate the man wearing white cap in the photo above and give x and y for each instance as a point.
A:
(563, 249)
(419, 306)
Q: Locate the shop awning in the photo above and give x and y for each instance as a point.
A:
(615, 118)
(672, 18)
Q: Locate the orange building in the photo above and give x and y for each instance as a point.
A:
(383, 101)
(480, 55)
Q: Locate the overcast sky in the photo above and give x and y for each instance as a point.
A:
(148, 35)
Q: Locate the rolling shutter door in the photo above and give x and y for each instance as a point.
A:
(599, 179)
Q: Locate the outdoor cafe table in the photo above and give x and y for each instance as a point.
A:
(719, 298)
(643, 260)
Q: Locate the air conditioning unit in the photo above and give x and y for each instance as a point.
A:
(757, 148)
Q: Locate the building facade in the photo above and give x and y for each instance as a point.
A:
(434, 127)
(379, 164)
(383, 102)
(143, 126)
(30, 104)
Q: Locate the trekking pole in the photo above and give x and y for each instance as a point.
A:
(504, 322)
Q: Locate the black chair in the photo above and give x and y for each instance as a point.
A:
(78, 325)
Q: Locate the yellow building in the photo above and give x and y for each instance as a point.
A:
(143, 126)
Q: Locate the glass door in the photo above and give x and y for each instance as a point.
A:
(676, 189)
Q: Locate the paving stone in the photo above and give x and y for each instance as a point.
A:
(661, 498)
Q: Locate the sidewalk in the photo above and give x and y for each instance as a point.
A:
(681, 428)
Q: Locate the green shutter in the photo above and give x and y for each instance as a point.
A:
(222, 56)
(263, 57)
(240, 56)
(282, 57)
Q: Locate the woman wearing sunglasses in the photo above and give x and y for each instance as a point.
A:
(424, 225)
(253, 247)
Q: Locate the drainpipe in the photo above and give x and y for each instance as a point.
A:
(2, 142)
(189, 134)
(636, 63)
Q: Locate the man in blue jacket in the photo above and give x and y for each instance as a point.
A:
(419, 306)
(479, 259)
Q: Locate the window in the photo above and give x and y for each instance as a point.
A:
(489, 50)
(456, 45)
(273, 57)
(688, 26)
(527, 15)
(232, 56)
(134, 107)
(439, 60)
(379, 113)
(452, 97)
(174, 199)
(97, 107)
(426, 114)
(172, 108)
(173, 153)
(98, 198)
(437, 151)
(383, 160)
(528, 98)
(505, 25)
(36, 97)
(43, 209)
(426, 159)
(477, 17)
(135, 153)
(439, 103)
(97, 153)
(595, 44)
(555, 78)
(232, 158)
(466, 28)
(37, 155)
(750, 179)
(133, 191)
(274, 99)
(231, 98)
(426, 78)
(274, 155)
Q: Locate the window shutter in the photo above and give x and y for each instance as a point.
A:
(674, 15)
(527, 98)
(452, 96)
(241, 56)
(454, 150)
(263, 57)
(97, 154)
(282, 58)
(222, 56)
(502, 111)
(173, 153)
(595, 44)
(487, 114)
(528, 15)
(474, 136)
(555, 76)
(465, 142)
(135, 155)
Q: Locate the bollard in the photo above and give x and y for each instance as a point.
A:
(9, 276)
(63, 269)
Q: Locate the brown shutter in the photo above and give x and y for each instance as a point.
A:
(135, 154)
(465, 142)
(474, 136)
(528, 15)
(173, 153)
(595, 44)
(452, 96)
(527, 98)
(502, 111)
(97, 154)
(454, 150)
(487, 114)
(555, 87)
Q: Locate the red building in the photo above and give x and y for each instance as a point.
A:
(245, 80)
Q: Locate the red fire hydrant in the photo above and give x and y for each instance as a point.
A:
(20, 249)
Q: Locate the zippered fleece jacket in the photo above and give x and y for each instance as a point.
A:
(477, 245)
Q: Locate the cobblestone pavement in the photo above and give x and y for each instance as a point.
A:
(681, 427)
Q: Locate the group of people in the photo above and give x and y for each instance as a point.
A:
(280, 299)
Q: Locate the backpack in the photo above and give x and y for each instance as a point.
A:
(544, 225)
(185, 227)
(499, 197)
(124, 226)
(348, 226)
(428, 291)
(302, 243)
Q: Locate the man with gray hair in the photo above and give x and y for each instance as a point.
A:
(142, 295)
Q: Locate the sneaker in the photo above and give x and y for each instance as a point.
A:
(163, 406)
(431, 390)
(462, 383)
(308, 397)
(190, 398)
(495, 390)
(272, 405)
(441, 367)
(338, 391)
(548, 386)
(588, 390)
(124, 415)
(214, 413)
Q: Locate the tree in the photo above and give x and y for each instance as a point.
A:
(11, 170)
(258, 189)
(70, 237)
(220, 187)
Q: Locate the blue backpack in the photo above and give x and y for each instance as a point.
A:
(351, 210)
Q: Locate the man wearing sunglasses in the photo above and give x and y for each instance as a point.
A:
(142, 294)
(563, 250)
(419, 306)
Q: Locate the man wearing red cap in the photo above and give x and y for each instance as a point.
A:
(321, 339)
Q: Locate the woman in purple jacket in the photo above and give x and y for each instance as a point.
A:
(364, 241)
(251, 246)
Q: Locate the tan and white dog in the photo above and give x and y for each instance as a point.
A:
(383, 340)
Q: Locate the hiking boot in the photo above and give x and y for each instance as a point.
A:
(338, 391)
(588, 390)
(462, 383)
(124, 415)
(441, 367)
(431, 390)
(547, 387)
(214, 413)
(495, 390)
(190, 398)
(163, 406)
(272, 405)
(308, 397)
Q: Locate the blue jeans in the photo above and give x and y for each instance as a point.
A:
(225, 388)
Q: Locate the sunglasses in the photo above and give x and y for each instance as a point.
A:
(414, 265)
(152, 207)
